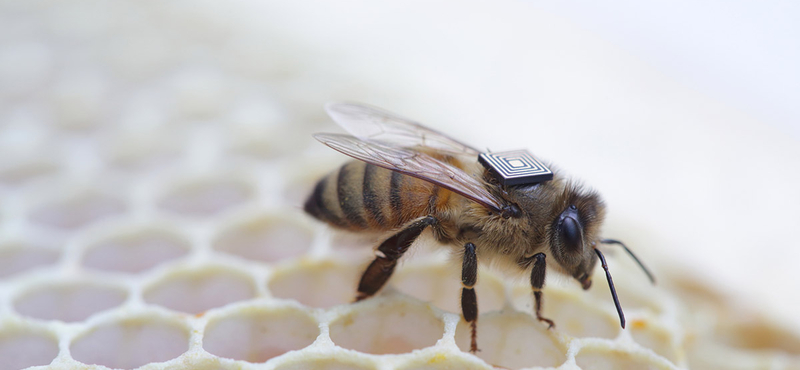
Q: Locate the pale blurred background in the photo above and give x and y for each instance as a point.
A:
(683, 115)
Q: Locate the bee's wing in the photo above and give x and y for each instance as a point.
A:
(376, 125)
(413, 163)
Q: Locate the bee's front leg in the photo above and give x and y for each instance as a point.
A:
(381, 268)
(469, 301)
(537, 282)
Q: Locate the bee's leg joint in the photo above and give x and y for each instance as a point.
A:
(537, 283)
(381, 268)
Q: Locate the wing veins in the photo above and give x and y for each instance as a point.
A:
(413, 163)
(377, 125)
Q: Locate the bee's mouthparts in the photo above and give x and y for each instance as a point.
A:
(586, 283)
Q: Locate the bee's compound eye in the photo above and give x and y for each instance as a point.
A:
(571, 234)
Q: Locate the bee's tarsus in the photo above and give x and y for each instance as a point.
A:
(611, 286)
(473, 347)
(630, 253)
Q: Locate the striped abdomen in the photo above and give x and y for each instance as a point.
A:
(362, 196)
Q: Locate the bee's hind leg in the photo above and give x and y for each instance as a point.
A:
(469, 301)
(381, 268)
(537, 282)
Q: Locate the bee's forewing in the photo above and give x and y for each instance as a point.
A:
(373, 124)
(414, 163)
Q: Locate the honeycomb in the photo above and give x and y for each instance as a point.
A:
(154, 157)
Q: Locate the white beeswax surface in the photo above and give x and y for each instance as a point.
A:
(154, 157)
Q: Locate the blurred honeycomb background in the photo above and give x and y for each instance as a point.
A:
(154, 156)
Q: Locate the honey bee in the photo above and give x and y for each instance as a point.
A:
(409, 178)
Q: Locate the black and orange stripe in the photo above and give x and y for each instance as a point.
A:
(360, 196)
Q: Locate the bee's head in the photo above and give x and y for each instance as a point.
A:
(576, 219)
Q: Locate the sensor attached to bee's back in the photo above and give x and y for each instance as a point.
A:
(516, 167)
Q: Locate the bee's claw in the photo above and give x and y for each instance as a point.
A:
(550, 324)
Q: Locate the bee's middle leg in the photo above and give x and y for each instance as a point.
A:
(537, 283)
(381, 268)
(469, 301)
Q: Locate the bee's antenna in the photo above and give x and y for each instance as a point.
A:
(617, 242)
(611, 285)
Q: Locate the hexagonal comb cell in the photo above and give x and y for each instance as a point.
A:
(656, 338)
(608, 359)
(18, 175)
(388, 326)
(442, 361)
(327, 363)
(360, 247)
(140, 151)
(78, 211)
(200, 93)
(131, 343)
(757, 334)
(441, 285)
(21, 348)
(257, 335)
(317, 283)
(692, 290)
(265, 238)
(79, 100)
(512, 340)
(135, 252)
(68, 302)
(206, 197)
(571, 314)
(196, 291)
(269, 144)
(300, 180)
(18, 258)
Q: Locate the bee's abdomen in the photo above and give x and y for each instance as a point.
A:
(361, 196)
